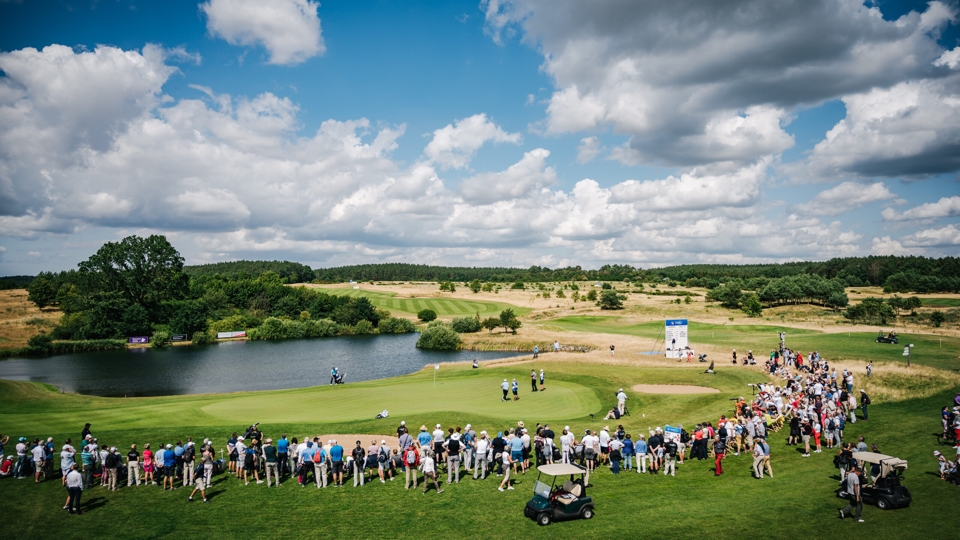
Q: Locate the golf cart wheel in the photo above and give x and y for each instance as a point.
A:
(543, 519)
(883, 503)
(587, 513)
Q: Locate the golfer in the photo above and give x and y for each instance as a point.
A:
(533, 379)
(541, 379)
(505, 386)
(516, 390)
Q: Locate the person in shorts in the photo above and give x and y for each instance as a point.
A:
(590, 443)
(438, 438)
(516, 390)
(336, 458)
(507, 461)
(202, 480)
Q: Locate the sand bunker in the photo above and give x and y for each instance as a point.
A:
(673, 389)
(349, 441)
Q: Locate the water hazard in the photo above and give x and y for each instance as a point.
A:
(232, 366)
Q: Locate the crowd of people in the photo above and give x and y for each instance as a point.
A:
(814, 402)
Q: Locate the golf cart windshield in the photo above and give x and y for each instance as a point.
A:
(542, 490)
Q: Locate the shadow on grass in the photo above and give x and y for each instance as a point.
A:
(212, 494)
(94, 503)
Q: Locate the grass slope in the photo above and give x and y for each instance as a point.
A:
(928, 350)
(797, 502)
(444, 307)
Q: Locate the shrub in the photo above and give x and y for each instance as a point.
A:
(466, 325)
(271, 329)
(609, 299)
(439, 337)
(606, 286)
(364, 328)
(202, 338)
(752, 306)
(518, 285)
(592, 295)
(40, 341)
(475, 286)
(937, 318)
(396, 325)
(427, 315)
(491, 323)
(160, 340)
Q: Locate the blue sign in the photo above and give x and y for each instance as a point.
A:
(677, 322)
(139, 339)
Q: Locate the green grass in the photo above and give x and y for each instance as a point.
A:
(798, 502)
(928, 350)
(444, 307)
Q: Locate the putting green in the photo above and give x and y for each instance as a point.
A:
(479, 395)
(444, 307)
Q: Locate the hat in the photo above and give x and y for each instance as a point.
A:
(862, 391)
(113, 448)
(23, 439)
(49, 439)
(607, 428)
(189, 444)
(382, 441)
(65, 447)
(403, 422)
(89, 436)
(621, 389)
(468, 427)
(169, 446)
(566, 428)
(520, 423)
(268, 440)
(438, 426)
(423, 428)
(483, 432)
(524, 430)
(239, 438)
(504, 380)
(309, 444)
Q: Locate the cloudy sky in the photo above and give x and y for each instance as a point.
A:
(504, 132)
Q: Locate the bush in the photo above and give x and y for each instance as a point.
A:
(202, 338)
(396, 325)
(937, 318)
(160, 339)
(42, 341)
(427, 315)
(439, 337)
(466, 325)
(518, 285)
(592, 295)
(752, 306)
(475, 286)
(364, 328)
(491, 323)
(609, 299)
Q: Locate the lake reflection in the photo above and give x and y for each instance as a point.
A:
(232, 366)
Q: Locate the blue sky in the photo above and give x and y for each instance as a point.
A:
(480, 133)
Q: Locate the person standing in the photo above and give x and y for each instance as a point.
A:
(411, 459)
(615, 455)
(133, 466)
(452, 448)
(766, 456)
(611, 350)
(604, 440)
(621, 402)
(720, 449)
(806, 430)
(548, 445)
(590, 444)
(189, 461)
(270, 461)
(542, 388)
(864, 401)
(202, 481)
(89, 460)
(383, 462)
(670, 457)
(533, 377)
(566, 445)
(507, 461)
(438, 438)
(149, 465)
(516, 390)
(169, 467)
(536, 352)
(628, 452)
(505, 386)
(869, 369)
(640, 447)
(855, 503)
(424, 438)
(556, 347)
(37, 452)
(429, 472)
(758, 459)
(359, 464)
(74, 483)
(111, 467)
(481, 461)
(283, 453)
(336, 457)
(469, 440)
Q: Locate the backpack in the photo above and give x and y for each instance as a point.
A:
(411, 457)
(317, 457)
(684, 436)
(382, 456)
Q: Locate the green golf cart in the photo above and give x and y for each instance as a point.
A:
(568, 500)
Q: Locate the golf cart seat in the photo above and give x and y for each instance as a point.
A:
(571, 492)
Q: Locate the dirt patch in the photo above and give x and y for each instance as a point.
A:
(350, 441)
(673, 389)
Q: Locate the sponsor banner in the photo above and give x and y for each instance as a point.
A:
(671, 433)
(178, 337)
(139, 339)
(226, 335)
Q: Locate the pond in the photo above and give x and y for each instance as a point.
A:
(233, 366)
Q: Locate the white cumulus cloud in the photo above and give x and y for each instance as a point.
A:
(945, 207)
(454, 145)
(288, 29)
(844, 197)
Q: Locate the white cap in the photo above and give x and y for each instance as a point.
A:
(382, 441)
(403, 422)
(169, 446)
(566, 428)
(189, 444)
(438, 426)
(239, 438)
(113, 448)
(468, 426)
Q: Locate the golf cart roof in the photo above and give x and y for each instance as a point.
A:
(560, 469)
(887, 463)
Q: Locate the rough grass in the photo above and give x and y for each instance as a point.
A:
(929, 350)
(20, 319)
(444, 307)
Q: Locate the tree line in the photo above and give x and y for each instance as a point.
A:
(138, 287)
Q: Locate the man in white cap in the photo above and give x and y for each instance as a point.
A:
(402, 428)
(481, 462)
(468, 439)
(452, 447)
(383, 460)
(241, 448)
(271, 466)
(189, 455)
(438, 438)
(505, 386)
(622, 401)
(604, 437)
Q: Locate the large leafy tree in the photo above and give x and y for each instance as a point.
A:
(143, 271)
